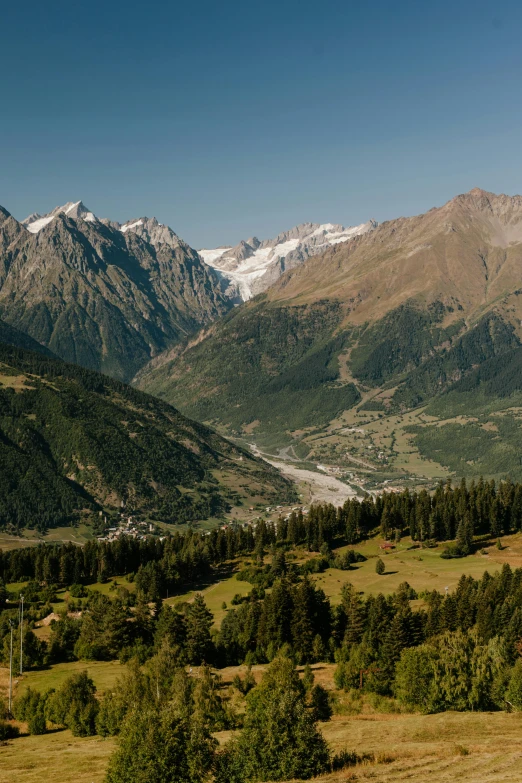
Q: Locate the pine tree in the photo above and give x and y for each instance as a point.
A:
(302, 621)
(276, 618)
(464, 539)
(160, 746)
(278, 567)
(395, 641)
(320, 703)
(353, 609)
(208, 706)
(308, 678)
(319, 651)
(172, 627)
(199, 622)
(280, 740)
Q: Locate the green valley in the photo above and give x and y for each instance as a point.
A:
(396, 360)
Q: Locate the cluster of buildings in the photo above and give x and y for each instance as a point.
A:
(128, 526)
(283, 512)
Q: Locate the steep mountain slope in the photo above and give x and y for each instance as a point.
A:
(73, 441)
(389, 320)
(12, 336)
(99, 296)
(252, 266)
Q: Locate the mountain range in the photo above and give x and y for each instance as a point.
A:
(391, 348)
(252, 266)
(416, 314)
(112, 296)
(100, 295)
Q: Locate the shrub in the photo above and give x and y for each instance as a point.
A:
(161, 746)
(514, 691)
(320, 703)
(8, 730)
(37, 723)
(75, 705)
(280, 739)
(345, 758)
(26, 705)
(414, 678)
(77, 591)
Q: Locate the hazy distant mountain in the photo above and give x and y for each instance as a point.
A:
(252, 266)
(106, 298)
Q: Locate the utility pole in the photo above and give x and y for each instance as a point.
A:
(11, 670)
(21, 634)
(366, 671)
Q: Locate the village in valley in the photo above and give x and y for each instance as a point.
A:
(128, 526)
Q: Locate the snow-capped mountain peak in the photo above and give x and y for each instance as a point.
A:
(252, 266)
(153, 232)
(128, 226)
(74, 209)
(245, 270)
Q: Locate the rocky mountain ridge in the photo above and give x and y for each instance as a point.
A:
(99, 296)
(252, 266)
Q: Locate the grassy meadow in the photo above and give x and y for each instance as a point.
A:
(103, 673)
(217, 594)
(471, 747)
(424, 569)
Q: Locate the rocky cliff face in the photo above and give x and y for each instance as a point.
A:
(99, 295)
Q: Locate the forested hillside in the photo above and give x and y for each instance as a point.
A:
(12, 336)
(73, 442)
(272, 365)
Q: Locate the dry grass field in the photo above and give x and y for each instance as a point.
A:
(465, 747)
(55, 758)
(468, 747)
(103, 673)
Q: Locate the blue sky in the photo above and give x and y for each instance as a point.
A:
(237, 118)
